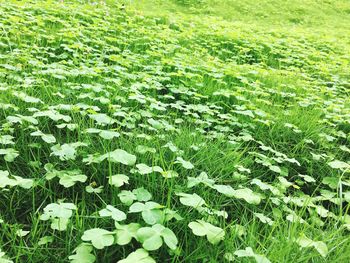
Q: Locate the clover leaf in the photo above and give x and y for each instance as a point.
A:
(9, 154)
(120, 156)
(3, 258)
(185, 164)
(68, 178)
(139, 256)
(59, 215)
(152, 237)
(336, 164)
(101, 119)
(113, 212)
(66, 151)
(201, 228)
(202, 178)
(6, 180)
(45, 240)
(124, 233)
(192, 200)
(320, 246)
(82, 254)
(150, 212)
(118, 180)
(145, 169)
(248, 252)
(140, 194)
(49, 138)
(99, 237)
(244, 193)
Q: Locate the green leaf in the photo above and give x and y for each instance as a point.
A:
(306, 242)
(307, 178)
(321, 247)
(26, 98)
(248, 195)
(201, 228)
(113, 212)
(336, 164)
(332, 182)
(22, 233)
(99, 237)
(59, 224)
(101, 119)
(49, 138)
(127, 197)
(185, 164)
(202, 178)
(150, 212)
(82, 254)
(118, 180)
(5, 181)
(20, 119)
(264, 186)
(139, 256)
(264, 219)
(169, 174)
(142, 194)
(69, 179)
(152, 237)
(144, 149)
(61, 210)
(3, 258)
(45, 240)
(91, 189)
(9, 154)
(120, 156)
(105, 134)
(225, 190)
(109, 135)
(149, 238)
(192, 200)
(59, 215)
(169, 238)
(6, 139)
(248, 252)
(124, 233)
(66, 151)
(145, 169)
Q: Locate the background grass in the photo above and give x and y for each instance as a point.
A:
(285, 61)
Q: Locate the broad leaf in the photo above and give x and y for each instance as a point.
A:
(113, 212)
(201, 228)
(139, 256)
(82, 254)
(152, 237)
(124, 233)
(192, 200)
(99, 237)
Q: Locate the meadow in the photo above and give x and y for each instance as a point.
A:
(175, 131)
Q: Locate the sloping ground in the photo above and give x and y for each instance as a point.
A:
(181, 130)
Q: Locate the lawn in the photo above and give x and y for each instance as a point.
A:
(175, 131)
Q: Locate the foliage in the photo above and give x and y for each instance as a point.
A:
(156, 131)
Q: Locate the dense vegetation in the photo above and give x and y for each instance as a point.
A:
(175, 131)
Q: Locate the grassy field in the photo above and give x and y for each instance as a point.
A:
(175, 131)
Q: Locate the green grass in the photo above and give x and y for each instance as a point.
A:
(250, 100)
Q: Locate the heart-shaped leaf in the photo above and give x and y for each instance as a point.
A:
(99, 237)
(201, 228)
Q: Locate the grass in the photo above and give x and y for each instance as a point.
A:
(233, 113)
